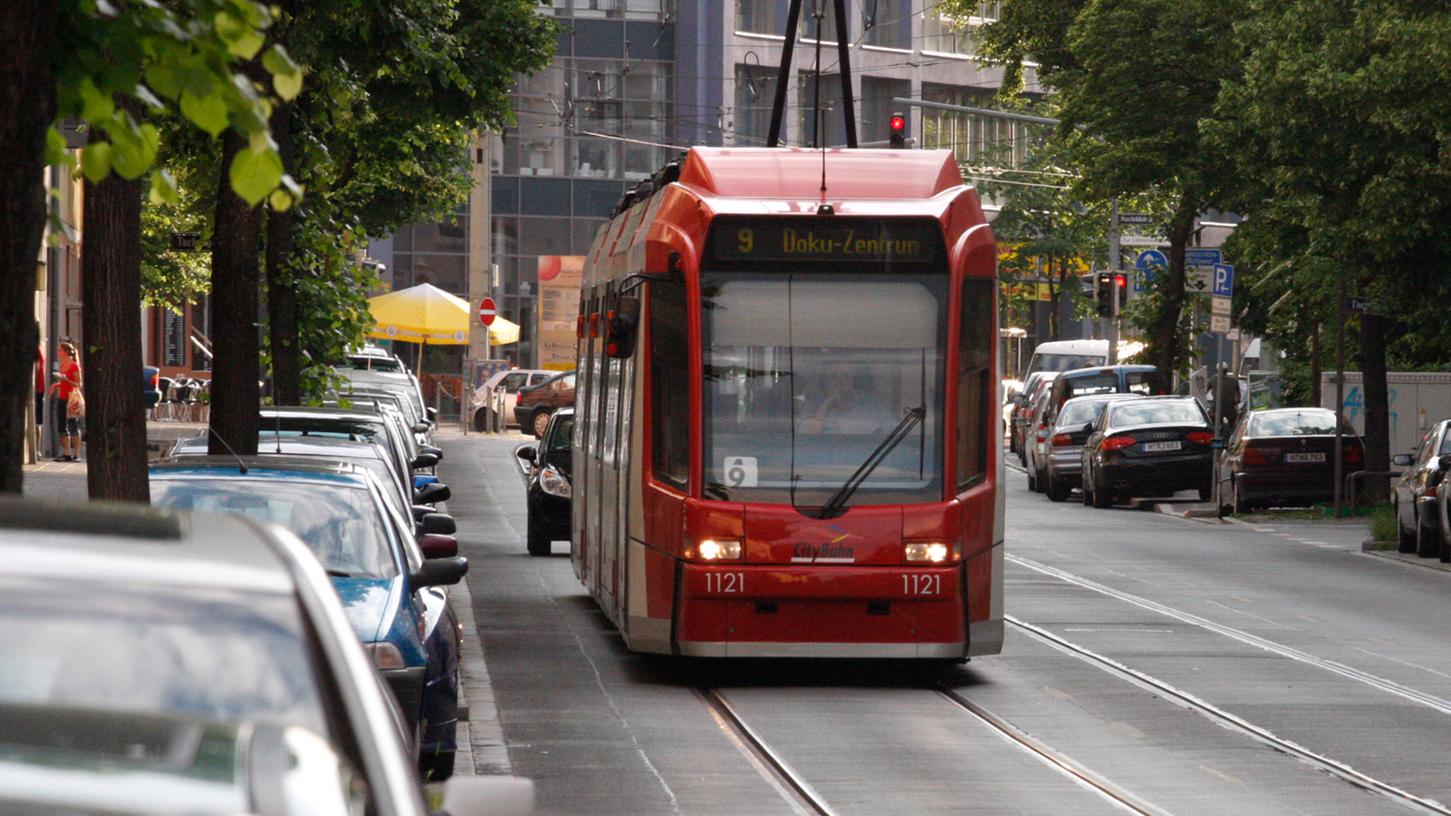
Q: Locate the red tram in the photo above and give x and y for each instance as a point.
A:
(784, 442)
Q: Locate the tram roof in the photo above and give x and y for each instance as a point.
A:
(795, 173)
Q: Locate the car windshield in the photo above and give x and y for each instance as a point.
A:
(1080, 413)
(1065, 362)
(1307, 423)
(806, 373)
(339, 523)
(1175, 412)
(1099, 383)
(559, 437)
(211, 653)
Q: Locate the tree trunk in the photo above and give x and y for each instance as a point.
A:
(1377, 402)
(281, 289)
(1164, 349)
(27, 106)
(1055, 295)
(235, 398)
(111, 352)
(1315, 368)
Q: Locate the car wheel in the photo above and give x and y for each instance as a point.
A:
(481, 420)
(1445, 545)
(1056, 491)
(538, 423)
(1033, 480)
(1426, 542)
(1102, 498)
(1043, 480)
(537, 541)
(1206, 493)
(1405, 542)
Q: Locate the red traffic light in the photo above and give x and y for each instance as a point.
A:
(899, 123)
(1121, 281)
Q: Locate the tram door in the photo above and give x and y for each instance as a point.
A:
(609, 486)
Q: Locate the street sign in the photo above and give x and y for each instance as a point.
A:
(1198, 280)
(1135, 218)
(1202, 256)
(1219, 325)
(1223, 280)
(186, 241)
(487, 312)
(1357, 304)
(1219, 306)
(1142, 240)
(1150, 259)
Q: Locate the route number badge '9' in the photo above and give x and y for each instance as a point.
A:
(740, 471)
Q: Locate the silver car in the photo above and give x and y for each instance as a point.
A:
(1063, 442)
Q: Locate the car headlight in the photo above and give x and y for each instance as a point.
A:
(718, 549)
(931, 552)
(551, 481)
(384, 655)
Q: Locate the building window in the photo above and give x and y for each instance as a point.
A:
(597, 8)
(649, 9)
(973, 138)
(947, 35)
(877, 106)
(832, 116)
(974, 358)
(808, 30)
(755, 85)
(760, 16)
(887, 23)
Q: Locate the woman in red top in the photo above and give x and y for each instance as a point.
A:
(70, 380)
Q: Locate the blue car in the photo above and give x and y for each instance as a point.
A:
(392, 592)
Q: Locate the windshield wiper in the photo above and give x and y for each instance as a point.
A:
(839, 498)
(337, 573)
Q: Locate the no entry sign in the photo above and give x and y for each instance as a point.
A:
(487, 312)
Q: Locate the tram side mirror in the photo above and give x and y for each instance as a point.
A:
(620, 341)
(1401, 459)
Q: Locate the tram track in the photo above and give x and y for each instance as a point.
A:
(1231, 721)
(790, 784)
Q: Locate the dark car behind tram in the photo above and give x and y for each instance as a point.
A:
(1154, 446)
(548, 479)
(1284, 457)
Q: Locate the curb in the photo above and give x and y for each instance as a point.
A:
(1404, 558)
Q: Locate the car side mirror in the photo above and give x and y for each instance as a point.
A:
(1444, 462)
(622, 328)
(421, 427)
(424, 460)
(433, 449)
(432, 414)
(445, 571)
(432, 493)
(527, 454)
(1401, 459)
(437, 523)
(421, 510)
(436, 545)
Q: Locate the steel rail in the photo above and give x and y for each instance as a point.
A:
(1054, 759)
(799, 792)
(1231, 721)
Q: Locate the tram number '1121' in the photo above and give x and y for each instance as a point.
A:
(725, 583)
(922, 584)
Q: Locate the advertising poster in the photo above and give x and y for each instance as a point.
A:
(560, 277)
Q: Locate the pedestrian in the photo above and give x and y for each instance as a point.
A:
(39, 397)
(69, 405)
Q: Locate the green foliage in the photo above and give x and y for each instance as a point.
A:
(153, 55)
(1382, 523)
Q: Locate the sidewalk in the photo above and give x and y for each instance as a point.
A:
(66, 481)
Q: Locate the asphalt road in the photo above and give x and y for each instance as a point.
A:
(1157, 664)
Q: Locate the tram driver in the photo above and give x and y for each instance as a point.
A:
(845, 401)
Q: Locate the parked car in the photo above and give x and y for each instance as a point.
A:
(547, 482)
(1443, 515)
(1035, 439)
(1150, 446)
(1284, 457)
(390, 587)
(1143, 380)
(505, 385)
(1417, 521)
(375, 358)
(1071, 428)
(537, 402)
(150, 386)
(1022, 406)
(140, 631)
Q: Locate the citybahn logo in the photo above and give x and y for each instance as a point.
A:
(834, 551)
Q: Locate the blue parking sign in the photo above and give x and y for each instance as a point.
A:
(1223, 280)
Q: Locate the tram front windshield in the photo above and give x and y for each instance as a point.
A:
(808, 373)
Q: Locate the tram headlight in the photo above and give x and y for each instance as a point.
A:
(931, 552)
(719, 549)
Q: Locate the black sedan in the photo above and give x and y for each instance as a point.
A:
(1284, 457)
(1417, 519)
(1153, 446)
(546, 469)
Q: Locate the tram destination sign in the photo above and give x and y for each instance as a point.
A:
(825, 239)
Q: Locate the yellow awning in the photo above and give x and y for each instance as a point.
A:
(503, 332)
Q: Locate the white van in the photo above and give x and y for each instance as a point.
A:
(1066, 355)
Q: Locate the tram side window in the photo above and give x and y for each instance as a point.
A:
(669, 383)
(974, 356)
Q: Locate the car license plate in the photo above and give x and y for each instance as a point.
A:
(1156, 447)
(1305, 458)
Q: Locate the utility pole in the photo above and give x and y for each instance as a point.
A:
(1113, 269)
(1340, 394)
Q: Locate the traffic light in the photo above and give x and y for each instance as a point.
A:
(898, 125)
(1103, 293)
(1121, 292)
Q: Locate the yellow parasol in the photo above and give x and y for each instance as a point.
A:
(421, 314)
